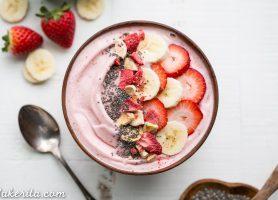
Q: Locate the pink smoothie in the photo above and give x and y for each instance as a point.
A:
(88, 119)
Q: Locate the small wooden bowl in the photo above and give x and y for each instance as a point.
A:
(232, 188)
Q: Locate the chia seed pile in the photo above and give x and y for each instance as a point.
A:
(217, 194)
(124, 147)
(112, 97)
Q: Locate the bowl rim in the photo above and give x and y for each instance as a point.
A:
(185, 38)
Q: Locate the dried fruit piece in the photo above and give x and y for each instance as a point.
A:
(131, 106)
(132, 41)
(120, 48)
(149, 143)
(130, 90)
(130, 64)
(125, 118)
(137, 59)
(151, 158)
(138, 118)
(150, 127)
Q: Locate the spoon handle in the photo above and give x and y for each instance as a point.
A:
(269, 187)
(58, 155)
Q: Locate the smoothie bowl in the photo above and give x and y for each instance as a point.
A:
(139, 97)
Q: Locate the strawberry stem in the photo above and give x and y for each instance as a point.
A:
(55, 13)
(7, 42)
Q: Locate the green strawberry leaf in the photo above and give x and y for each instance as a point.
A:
(6, 42)
(55, 14)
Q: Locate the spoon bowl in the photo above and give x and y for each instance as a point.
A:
(41, 131)
(39, 128)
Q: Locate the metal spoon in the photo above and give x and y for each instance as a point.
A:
(41, 132)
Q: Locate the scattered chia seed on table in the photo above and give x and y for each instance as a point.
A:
(207, 193)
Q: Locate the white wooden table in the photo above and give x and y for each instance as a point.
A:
(240, 39)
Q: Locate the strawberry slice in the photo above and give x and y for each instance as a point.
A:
(155, 112)
(149, 143)
(156, 67)
(194, 85)
(177, 61)
(151, 116)
(188, 113)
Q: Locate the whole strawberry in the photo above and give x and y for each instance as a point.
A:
(58, 24)
(21, 40)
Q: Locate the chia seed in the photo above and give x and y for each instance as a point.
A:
(210, 193)
(172, 34)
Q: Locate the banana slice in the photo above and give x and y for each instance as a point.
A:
(172, 93)
(152, 48)
(13, 10)
(151, 85)
(40, 64)
(28, 76)
(90, 9)
(120, 48)
(172, 137)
